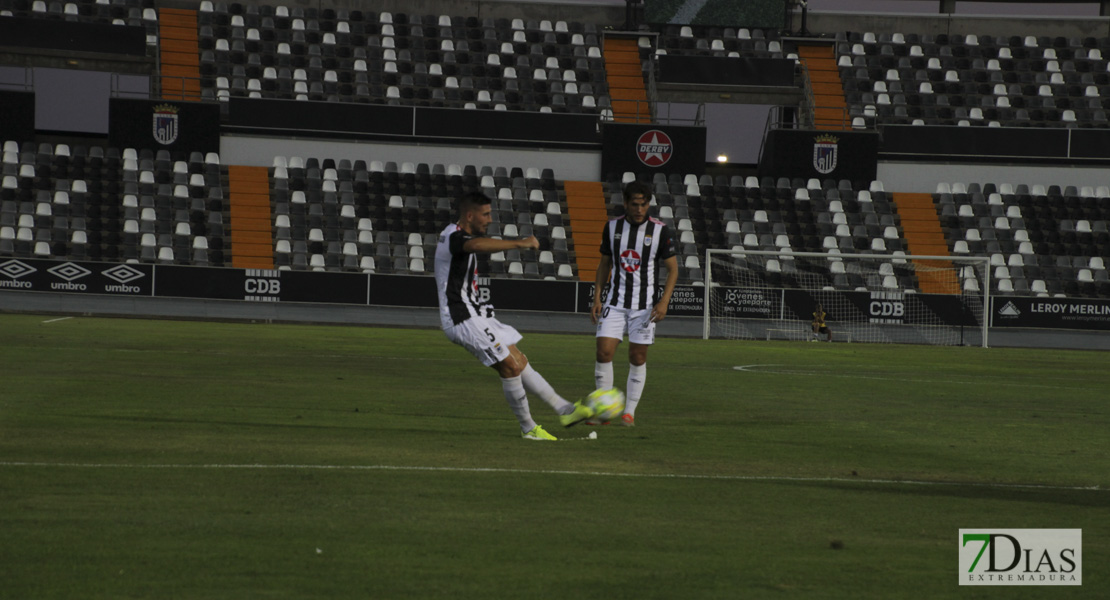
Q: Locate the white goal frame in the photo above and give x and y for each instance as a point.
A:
(982, 261)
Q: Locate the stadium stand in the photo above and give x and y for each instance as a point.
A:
(106, 204)
(400, 59)
(1061, 257)
(385, 217)
(1032, 234)
(1016, 81)
(734, 42)
(141, 206)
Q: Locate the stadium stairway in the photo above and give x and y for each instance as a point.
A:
(252, 244)
(180, 52)
(586, 209)
(625, 79)
(924, 237)
(830, 105)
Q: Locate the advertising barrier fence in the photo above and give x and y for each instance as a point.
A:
(1051, 313)
(259, 285)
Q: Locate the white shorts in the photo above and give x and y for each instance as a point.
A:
(616, 321)
(486, 338)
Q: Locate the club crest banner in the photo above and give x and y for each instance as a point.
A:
(852, 155)
(163, 125)
(824, 154)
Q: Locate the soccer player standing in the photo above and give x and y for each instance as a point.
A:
(467, 319)
(632, 247)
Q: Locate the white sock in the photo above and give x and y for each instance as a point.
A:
(637, 375)
(518, 402)
(536, 384)
(603, 375)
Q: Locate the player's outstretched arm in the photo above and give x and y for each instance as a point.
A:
(485, 245)
(659, 312)
(599, 284)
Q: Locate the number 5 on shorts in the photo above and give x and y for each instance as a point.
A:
(492, 338)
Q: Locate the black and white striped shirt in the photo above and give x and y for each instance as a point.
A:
(457, 279)
(635, 252)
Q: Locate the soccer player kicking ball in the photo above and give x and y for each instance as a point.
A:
(468, 320)
(632, 247)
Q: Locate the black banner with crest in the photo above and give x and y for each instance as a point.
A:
(851, 155)
(164, 125)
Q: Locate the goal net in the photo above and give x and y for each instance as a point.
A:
(876, 298)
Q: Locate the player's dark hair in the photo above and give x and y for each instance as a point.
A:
(637, 187)
(471, 201)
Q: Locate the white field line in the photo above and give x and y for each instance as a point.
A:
(514, 471)
(58, 319)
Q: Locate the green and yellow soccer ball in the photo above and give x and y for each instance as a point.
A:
(607, 404)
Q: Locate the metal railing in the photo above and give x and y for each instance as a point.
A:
(773, 117)
(825, 119)
(640, 111)
(160, 87)
(806, 109)
(652, 78)
(177, 88)
(809, 117)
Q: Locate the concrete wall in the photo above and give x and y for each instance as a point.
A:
(833, 22)
(611, 13)
(923, 177)
(600, 12)
(260, 151)
(900, 176)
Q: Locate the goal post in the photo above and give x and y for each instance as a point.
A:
(874, 298)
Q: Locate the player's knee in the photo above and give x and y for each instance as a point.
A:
(508, 368)
(516, 362)
(605, 352)
(637, 356)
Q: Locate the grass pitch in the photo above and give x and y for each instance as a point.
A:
(161, 459)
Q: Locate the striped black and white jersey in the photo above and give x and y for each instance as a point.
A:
(457, 279)
(635, 252)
